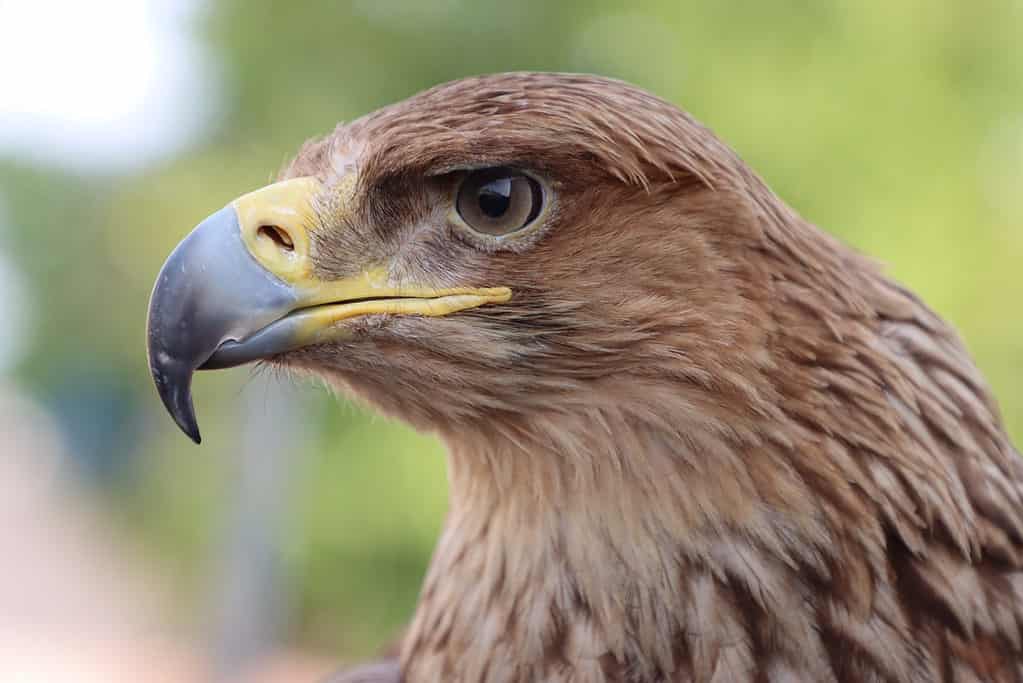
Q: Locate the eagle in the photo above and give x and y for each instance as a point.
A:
(690, 436)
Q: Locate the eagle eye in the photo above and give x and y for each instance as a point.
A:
(498, 201)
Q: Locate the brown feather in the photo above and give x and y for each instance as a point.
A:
(705, 441)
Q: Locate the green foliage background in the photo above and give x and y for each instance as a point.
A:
(896, 125)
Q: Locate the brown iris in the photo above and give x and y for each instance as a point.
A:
(498, 201)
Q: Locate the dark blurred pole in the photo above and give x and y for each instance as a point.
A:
(250, 604)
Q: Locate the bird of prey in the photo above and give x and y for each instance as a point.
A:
(691, 437)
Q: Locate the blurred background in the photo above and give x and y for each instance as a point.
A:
(295, 538)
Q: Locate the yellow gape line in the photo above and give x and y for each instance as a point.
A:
(317, 322)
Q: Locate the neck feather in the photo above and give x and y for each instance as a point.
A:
(588, 544)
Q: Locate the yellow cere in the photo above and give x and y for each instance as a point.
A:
(286, 205)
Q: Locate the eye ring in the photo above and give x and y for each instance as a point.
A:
(498, 201)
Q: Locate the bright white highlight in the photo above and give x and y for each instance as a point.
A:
(99, 84)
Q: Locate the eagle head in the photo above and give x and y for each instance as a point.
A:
(493, 247)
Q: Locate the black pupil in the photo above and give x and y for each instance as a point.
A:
(495, 197)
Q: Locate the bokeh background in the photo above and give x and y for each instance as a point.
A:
(296, 536)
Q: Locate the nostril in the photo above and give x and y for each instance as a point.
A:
(279, 236)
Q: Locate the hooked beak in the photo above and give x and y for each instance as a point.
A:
(241, 287)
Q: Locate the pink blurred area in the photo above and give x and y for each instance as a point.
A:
(76, 603)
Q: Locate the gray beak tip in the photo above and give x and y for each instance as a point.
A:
(174, 384)
(210, 293)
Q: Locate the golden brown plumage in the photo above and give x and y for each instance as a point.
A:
(704, 441)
